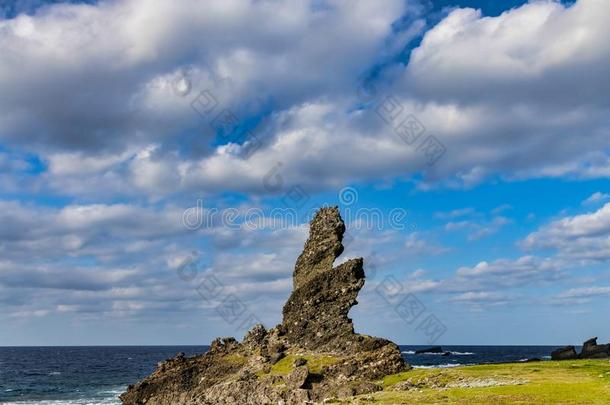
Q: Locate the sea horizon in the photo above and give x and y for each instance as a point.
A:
(72, 375)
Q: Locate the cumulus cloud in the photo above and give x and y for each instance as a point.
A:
(493, 97)
(582, 237)
(513, 272)
(31, 231)
(455, 213)
(587, 292)
(480, 297)
(97, 114)
(113, 64)
(595, 198)
(478, 229)
(416, 245)
(506, 87)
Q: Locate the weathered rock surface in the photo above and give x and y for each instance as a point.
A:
(564, 353)
(433, 349)
(590, 350)
(312, 355)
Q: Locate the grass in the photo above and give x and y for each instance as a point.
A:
(549, 382)
(235, 359)
(315, 364)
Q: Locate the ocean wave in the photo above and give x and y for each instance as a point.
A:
(106, 396)
(80, 401)
(447, 365)
(462, 353)
(84, 401)
(441, 353)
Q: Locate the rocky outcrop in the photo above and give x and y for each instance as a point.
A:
(590, 350)
(564, 353)
(311, 356)
(433, 349)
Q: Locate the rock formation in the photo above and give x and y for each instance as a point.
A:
(311, 356)
(590, 350)
(564, 353)
(433, 349)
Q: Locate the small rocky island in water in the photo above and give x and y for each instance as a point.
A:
(312, 356)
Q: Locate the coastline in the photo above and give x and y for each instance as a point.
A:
(64, 365)
(584, 381)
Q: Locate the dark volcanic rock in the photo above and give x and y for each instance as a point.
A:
(315, 315)
(433, 349)
(255, 337)
(297, 378)
(322, 247)
(591, 350)
(313, 355)
(564, 353)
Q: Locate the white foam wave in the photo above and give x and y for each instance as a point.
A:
(101, 401)
(448, 365)
(441, 353)
(108, 396)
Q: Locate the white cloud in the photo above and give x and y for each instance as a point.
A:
(583, 237)
(419, 246)
(479, 229)
(587, 292)
(596, 198)
(480, 297)
(514, 85)
(517, 272)
(455, 213)
(493, 90)
(112, 64)
(91, 90)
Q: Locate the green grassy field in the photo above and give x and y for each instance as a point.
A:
(548, 382)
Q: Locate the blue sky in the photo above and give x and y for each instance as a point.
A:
(484, 125)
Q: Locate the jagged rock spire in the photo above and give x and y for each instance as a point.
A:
(322, 247)
(315, 324)
(315, 315)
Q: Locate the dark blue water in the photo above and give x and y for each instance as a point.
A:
(97, 375)
(464, 355)
(77, 375)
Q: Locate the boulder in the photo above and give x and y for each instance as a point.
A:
(433, 349)
(297, 378)
(591, 350)
(300, 361)
(255, 336)
(564, 353)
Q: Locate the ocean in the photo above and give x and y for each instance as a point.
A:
(97, 375)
